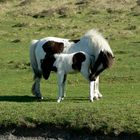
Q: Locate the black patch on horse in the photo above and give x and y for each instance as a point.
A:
(104, 58)
(47, 66)
(52, 47)
(107, 59)
(75, 40)
(77, 60)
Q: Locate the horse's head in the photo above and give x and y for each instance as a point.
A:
(104, 60)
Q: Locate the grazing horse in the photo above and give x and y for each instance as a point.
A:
(92, 43)
(64, 64)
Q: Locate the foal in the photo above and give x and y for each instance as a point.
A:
(64, 64)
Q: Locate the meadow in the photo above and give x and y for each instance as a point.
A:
(118, 112)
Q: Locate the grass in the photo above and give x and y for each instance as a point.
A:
(118, 111)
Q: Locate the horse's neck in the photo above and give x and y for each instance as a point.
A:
(83, 46)
(75, 47)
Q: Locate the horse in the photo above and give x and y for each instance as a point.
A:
(92, 42)
(64, 64)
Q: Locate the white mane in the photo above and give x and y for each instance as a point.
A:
(97, 40)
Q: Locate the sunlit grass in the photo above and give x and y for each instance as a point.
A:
(118, 111)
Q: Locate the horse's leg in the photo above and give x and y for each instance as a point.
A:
(61, 84)
(85, 73)
(36, 87)
(97, 88)
(92, 89)
(64, 82)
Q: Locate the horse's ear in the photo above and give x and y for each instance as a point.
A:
(53, 47)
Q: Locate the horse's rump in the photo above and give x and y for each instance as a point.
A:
(33, 59)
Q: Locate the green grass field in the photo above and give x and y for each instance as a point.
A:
(119, 110)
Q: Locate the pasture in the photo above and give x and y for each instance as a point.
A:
(118, 112)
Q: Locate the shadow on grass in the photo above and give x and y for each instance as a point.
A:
(16, 98)
(136, 42)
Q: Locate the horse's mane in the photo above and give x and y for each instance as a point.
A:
(98, 40)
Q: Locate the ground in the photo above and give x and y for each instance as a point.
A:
(116, 115)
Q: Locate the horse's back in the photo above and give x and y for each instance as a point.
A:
(37, 53)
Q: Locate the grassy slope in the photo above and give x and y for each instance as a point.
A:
(119, 21)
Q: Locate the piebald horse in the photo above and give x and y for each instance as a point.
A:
(92, 42)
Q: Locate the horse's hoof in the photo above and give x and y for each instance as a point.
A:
(96, 98)
(39, 98)
(59, 100)
(91, 100)
(100, 96)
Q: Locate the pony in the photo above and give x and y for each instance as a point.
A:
(92, 42)
(64, 64)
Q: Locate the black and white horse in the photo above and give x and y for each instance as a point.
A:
(64, 64)
(92, 43)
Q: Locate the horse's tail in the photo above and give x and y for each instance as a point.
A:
(33, 59)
